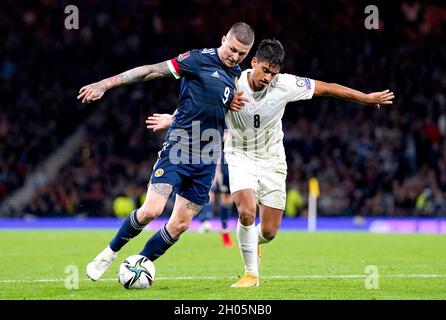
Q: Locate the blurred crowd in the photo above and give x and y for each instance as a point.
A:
(388, 162)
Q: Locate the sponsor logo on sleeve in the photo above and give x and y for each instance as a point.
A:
(308, 83)
(183, 56)
(301, 82)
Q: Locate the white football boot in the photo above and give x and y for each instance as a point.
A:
(101, 263)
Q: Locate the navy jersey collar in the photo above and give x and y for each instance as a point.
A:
(223, 65)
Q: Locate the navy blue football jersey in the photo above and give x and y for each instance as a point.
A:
(206, 90)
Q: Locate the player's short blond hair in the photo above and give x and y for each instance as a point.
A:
(242, 32)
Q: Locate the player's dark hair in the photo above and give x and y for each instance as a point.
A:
(242, 32)
(271, 51)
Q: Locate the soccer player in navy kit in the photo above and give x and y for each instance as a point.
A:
(185, 163)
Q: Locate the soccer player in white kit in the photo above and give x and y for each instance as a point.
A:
(254, 147)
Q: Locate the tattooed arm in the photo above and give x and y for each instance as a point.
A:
(96, 90)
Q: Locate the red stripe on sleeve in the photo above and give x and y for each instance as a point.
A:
(176, 66)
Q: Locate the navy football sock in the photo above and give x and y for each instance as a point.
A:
(130, 228)
(158, 244)
(224, 215)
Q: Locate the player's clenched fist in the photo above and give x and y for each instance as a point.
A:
(91, 92)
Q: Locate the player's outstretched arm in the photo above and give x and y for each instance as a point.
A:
(159, 121)
(336, 90)
(95, 91)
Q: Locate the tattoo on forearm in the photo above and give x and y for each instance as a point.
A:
(143, 73)
(193, 206)
(162, 189)
(156, 71)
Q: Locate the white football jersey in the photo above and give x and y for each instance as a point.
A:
(256, 130)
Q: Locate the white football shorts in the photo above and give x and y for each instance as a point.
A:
(267, 177)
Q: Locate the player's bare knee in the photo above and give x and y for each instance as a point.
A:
(247, 219)
(269, 234)
(247, 215)
(145, 215)
(177, 228)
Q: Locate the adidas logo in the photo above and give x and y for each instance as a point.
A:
(215, 75)
(209, 51)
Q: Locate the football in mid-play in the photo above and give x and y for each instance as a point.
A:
(137, 272)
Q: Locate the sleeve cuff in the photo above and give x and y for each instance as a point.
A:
(312, 87)
(174, 68)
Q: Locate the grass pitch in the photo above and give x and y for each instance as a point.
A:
(295, 266)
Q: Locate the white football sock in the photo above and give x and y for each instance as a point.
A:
(260, 237)
(247, 239)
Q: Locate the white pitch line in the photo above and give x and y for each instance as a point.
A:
(340, 276)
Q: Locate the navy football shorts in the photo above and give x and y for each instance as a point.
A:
(191, 181)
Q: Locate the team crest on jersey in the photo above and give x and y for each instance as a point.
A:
(271, 104)
(159, 173)
(183, 56)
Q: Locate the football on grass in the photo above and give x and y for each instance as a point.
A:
(137, 272)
